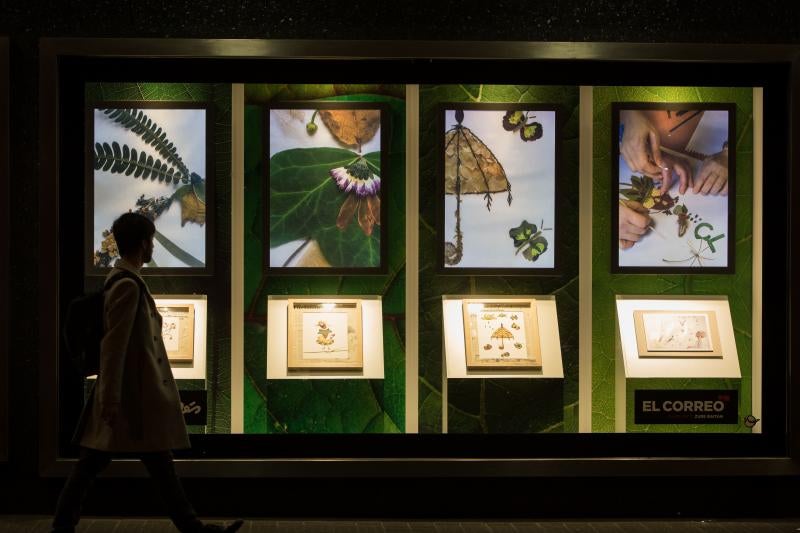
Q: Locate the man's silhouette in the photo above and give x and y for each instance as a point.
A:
(134, 406)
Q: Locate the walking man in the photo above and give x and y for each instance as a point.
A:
(134, 406)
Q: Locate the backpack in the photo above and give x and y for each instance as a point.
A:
(83, 326)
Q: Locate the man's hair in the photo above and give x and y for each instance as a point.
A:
(130, 230)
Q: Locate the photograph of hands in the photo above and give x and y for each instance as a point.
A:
(675, 178)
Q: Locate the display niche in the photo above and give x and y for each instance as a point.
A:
(680, 357)
(324, 266)
(163, 150)
(498, 219)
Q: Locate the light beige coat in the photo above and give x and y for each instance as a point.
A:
(134, 373)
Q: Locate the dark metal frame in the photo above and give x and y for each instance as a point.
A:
(604, 459)
(91, 269)
(386, 129)
(616, 108)
(533, 270)
(5, 255)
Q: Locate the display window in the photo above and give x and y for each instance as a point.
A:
(576, 261)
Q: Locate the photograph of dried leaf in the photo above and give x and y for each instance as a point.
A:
(499, 187)
(151, 161)
(325, 186)
(675, 185)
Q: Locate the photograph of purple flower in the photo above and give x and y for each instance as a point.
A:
(324, 174)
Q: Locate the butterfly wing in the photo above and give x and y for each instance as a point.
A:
(465, 154)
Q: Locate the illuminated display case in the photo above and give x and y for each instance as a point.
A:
(444, 270)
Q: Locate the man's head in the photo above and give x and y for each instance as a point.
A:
(134, 236)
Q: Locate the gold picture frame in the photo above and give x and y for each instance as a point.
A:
(324, 334)
(491, 343)
(668, 333)
(177, 331)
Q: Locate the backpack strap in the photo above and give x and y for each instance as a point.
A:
(122, 275)
(125, 274)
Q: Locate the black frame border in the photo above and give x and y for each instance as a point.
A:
(5, 234)
(558, 232)
(91, 269)
(386, 185)
(616, 108)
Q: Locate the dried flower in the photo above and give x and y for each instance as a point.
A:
(362, 187)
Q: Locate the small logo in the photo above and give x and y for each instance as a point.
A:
(750, 421)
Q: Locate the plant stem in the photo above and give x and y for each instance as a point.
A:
(294, 254)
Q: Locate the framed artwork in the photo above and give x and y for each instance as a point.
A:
(153, 158)
(677, 334)
(177, 330)
(674, 171)
(324, 187)
(324, 334)
(501, 334)
(499, 165)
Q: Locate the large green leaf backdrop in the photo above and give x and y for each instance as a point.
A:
(737, 287)
(324, 406)
(216, 287)
(496, 406)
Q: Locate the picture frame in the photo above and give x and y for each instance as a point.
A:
(517, 346)
(172, 139)
(324, 334)
(187, 351)
(177, 331)
(677, 334)
(689, 233)
(332, 231)
(535, 248)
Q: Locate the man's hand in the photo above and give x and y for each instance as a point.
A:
(713, 175)
(634, 220)
(109, 413)
(641, 144)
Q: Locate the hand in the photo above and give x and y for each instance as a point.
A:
(109, 413)
(713, 175)
(634, 220)
(679, 166)
(641, 144)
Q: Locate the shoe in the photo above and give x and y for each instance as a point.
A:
(213, 528)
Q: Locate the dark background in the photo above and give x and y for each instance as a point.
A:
(671, 21)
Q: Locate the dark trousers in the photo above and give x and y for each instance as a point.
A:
(162, 471)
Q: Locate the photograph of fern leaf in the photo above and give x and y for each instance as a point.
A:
(153, 161)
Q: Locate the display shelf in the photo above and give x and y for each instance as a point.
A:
(277, 342)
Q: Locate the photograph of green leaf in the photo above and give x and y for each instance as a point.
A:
(325, 188)
(151, 160)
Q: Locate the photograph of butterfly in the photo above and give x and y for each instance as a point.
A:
(499, 164)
